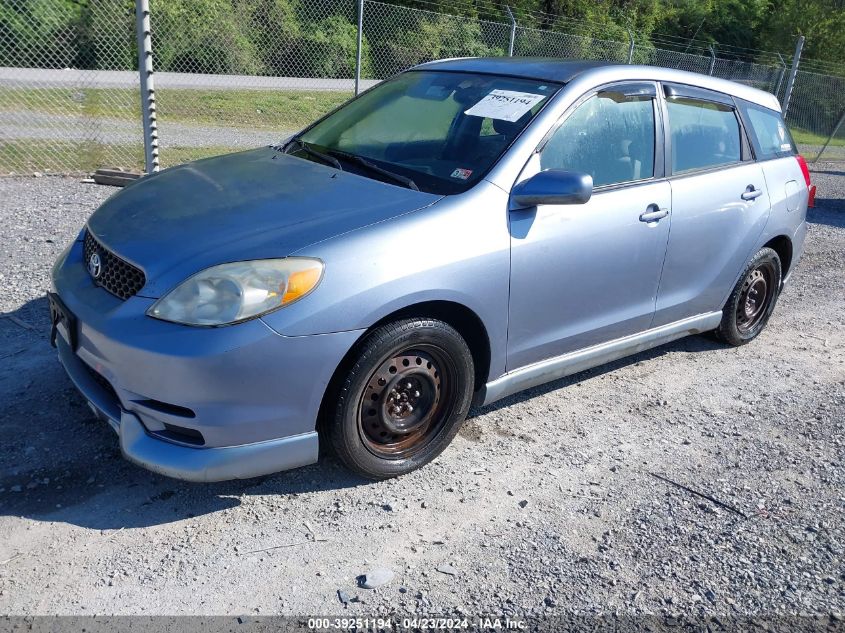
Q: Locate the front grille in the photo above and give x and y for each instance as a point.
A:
(116, 275)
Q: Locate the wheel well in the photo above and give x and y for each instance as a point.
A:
(464, 320)
(783, 247)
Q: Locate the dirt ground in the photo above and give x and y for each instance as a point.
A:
(551, 502)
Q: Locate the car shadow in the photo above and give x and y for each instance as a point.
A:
(829, 211)
(690, 344)
(828, 172)
(59, 463)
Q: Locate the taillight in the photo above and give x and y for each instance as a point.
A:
(811, 202)
(804, 169)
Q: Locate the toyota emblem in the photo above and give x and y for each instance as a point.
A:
(95, 265)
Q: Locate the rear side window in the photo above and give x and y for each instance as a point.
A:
(769, 134)
(704, 134)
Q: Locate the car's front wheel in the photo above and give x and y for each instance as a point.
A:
(404, 398)
(753, 299)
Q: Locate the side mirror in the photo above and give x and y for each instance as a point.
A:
(553, 186)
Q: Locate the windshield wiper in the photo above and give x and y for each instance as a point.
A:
(301, 145)
(360, 160)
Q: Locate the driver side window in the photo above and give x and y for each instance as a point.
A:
(610, 136)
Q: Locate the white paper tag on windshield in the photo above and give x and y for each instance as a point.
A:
(505, 105)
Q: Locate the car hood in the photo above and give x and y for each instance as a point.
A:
(250, 205)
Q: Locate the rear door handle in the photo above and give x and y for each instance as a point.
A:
(654, 214)
(751, 193)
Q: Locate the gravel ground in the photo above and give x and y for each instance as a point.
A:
(545, 504)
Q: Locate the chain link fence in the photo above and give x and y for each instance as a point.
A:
(66, 100)
(536, 42)
(816, 107)
(237, 75)
(232, 75)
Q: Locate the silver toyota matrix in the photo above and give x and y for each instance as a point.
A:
(461, 232)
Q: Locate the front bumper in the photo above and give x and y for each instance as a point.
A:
(201, 404)
(183, 462)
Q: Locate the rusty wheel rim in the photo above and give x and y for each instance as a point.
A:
(406, 402)
(754, 300)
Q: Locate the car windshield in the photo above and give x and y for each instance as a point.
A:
(439, 132)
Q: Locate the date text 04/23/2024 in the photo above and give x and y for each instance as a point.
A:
(416, 624)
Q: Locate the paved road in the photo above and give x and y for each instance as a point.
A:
(36, 125)
(33, 125)
(72, 78)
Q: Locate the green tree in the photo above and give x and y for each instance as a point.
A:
(201, 36)
(822, 22)
(430, 37)
(273, 28)
(327, 48)
(40, 33)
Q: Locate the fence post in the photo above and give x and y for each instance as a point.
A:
(360, 44)
(630, 47)
(790, 83)
(781, 72)
(145, 74)
(513, 31)
(712, 60)
(830, 138)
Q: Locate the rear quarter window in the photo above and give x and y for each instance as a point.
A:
(769, 135)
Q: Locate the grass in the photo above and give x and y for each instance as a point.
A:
(263, 109)
(252, 109)
(803, 137)
(62, 157)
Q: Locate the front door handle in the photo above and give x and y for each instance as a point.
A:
(654, 214)
(751, 193)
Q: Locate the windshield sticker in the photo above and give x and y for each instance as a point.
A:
(505, 105)
(462, 173)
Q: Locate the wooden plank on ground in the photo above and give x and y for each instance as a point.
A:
(115, 177)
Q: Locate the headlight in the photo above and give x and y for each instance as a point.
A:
(234, 292)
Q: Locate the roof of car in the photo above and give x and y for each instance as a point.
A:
(542, 68)
(554, 69)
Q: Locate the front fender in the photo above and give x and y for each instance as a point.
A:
(457, 250)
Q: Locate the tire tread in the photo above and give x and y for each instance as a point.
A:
(727, 331)
(373, 346)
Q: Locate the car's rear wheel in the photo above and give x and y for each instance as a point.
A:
(753, 299)
(403, 400)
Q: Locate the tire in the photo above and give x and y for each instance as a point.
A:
(403, 399)
(752, 300)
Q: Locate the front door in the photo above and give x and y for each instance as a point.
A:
(589, 273)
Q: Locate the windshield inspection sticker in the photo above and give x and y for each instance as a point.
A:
(505, 105)
(462, 173)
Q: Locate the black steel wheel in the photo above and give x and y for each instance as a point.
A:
(753, 299)
(756, 295)
(404, 398)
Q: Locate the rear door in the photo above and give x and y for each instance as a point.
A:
(720, 203)
(789, 188)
